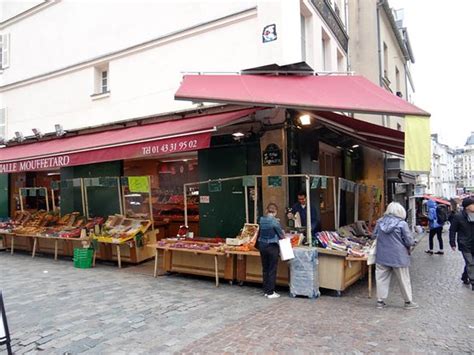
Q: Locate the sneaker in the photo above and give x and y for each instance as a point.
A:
(265, 295)
(429, 252)
(273, 295)
(440, 252)
(465, 279)
(411, 305)
(381, 304)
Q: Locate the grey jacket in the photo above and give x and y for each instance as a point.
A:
(393, 242)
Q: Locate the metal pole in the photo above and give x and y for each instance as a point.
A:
(255, 203)
(356, 203)
(185, 190)
(246, 190)
(150, 204)
(308, 212)
(47, 197)
(121, 204)
(85, 202)
(53, 200)
(338, 203)
(21, 198)
(335, 202)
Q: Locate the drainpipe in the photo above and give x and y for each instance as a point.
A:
(346, 11)
(379, 51)
(406, 81)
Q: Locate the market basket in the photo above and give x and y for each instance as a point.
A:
(83, 258)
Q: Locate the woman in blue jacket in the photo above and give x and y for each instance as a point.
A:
(270, 233)
(392, 256)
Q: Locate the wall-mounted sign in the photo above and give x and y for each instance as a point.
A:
(269, 33)
(215, 186)
(274, 181)
(272, 155)
(204, 199)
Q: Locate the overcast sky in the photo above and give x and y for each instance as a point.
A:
(441, 34)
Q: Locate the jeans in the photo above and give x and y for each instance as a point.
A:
(438, 231)
(469, 268)
(269, 255)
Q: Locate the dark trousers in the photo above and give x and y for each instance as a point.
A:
(438, 231)
(469, 268)
(269, 255)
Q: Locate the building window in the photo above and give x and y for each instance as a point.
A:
(104, 81)
(101, 81)
(325, 51)
(4, 51)
(385, 60)
(3, 124)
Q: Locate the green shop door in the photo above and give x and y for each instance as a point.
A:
(222, 205)
(3, 195)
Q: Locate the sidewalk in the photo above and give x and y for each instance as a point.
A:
(54, 308)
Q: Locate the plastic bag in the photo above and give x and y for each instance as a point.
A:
(372, 253)
(286, 250)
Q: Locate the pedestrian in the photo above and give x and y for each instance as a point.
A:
(394, 242)
(462, 225)
(269, 234)
(436, 228)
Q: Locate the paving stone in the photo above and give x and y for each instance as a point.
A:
(122, 311)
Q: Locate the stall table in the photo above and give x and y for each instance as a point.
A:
(184, 260)
(35, 239)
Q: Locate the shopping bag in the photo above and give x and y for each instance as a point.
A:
(372, 253)
(286, 250)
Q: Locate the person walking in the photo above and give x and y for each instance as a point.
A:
(462, 226)
(394, 241)
(436, 228)
(269, 234)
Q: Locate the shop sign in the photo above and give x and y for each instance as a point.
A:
(215, 186)
(248, 180)
(127, 151)
(272, 155)
(138, 184)
(204, 199)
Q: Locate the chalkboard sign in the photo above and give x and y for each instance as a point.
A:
(272, 155)
(215, 186)
(4, 333)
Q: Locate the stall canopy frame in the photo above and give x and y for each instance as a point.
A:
(256, 177)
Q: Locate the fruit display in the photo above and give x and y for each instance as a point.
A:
(118, 229)
(185, 245)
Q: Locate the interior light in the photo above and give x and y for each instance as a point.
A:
(355, 146)
(19, 137)
(59, 130)
(305, 120)
(37, 132)
(238, 134)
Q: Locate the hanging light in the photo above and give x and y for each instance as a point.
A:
(305, 120)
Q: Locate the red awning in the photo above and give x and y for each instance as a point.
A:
(437, 199)
(328, 93)
(383, 138)
(134, 142)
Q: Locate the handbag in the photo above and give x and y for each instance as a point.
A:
(372, 253)
(286, 250)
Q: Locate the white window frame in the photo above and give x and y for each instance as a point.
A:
(3, 123)
(101, 87)
(104, 81)
(4, 51)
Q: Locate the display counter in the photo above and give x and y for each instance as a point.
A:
(337, 270)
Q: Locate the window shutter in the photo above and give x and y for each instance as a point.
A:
(5, 51)
(3, 123)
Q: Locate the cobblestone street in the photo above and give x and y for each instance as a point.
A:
(54, 308)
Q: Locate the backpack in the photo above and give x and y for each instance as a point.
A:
(441, 214)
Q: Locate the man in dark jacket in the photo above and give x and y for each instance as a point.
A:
(463, 225)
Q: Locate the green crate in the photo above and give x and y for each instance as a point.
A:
(83, 258)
